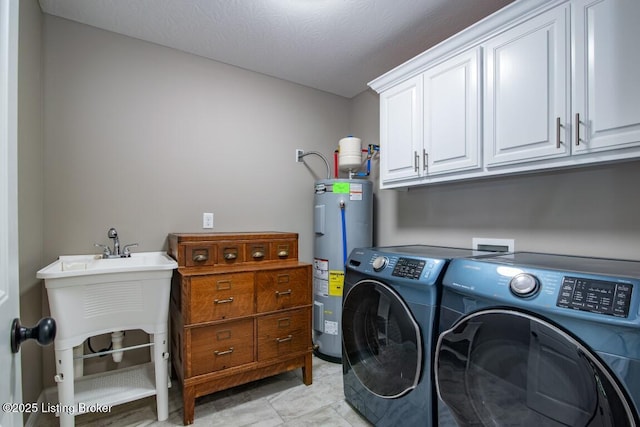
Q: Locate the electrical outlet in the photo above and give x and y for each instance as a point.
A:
(207, 220)
(299, 153)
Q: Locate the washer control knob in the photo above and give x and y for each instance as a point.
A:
(379, 263)
(524, 285)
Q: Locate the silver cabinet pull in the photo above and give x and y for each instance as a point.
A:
(223, 301)
(222, 353)
(577, 129)
(558, 126)
(283, 253)
(281, 340)
(258, 254)
(425, 158)
(230, 256)
(283, 293)
(416, 161)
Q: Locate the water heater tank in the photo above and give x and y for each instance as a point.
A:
(343, 220)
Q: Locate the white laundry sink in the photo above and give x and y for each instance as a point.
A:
(89, 295)
(87, 265)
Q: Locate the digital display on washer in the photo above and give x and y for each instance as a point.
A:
(409, 268)
(596, 296)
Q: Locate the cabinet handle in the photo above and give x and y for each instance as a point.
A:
(577, 129)
(558, 126)
(230, 256)
(222, 353)
(425, 158)
(223, 301)
(287, 292)
(258, 254)
(416, 161)
(281, 340)
(200, 258)
(283, 253)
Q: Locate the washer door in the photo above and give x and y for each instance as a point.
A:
(503, 367)
(381, 339)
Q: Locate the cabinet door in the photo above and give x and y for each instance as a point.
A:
(527, 91)
(451, 112)
(401, 131)
(606, 89)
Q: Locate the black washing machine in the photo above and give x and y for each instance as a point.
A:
(390, 308)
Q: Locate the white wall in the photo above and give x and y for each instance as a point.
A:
(591, 211)
(30, 188)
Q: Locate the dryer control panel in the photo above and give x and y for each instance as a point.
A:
(409, 268)
(596, 296)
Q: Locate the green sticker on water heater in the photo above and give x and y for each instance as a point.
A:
(341, 187)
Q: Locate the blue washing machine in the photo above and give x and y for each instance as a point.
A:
(389, 312)
(531, 339)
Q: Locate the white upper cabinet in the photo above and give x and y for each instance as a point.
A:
(401, 131)
(526, 93)
(452, 114)
(540, 84)
(606, 83)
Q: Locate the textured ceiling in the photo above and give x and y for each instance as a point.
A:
(332, 45)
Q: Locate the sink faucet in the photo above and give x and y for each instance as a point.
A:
(113, 234)
(116, 252)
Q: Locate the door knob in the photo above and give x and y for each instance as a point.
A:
(44, 332)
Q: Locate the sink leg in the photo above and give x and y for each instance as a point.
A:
(64, 377)
(162, 386)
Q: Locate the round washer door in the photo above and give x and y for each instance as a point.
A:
(504, 367)
(381, 339)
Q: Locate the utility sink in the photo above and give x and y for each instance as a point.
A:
(87, 265)
(89, 295)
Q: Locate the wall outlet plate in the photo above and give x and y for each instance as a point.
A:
(207, 220)
(299, 153)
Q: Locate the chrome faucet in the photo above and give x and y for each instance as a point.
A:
(107, 252)
(113, 234)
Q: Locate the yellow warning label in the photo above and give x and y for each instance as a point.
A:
(336, 283)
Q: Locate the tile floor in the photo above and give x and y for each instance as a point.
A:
(282, 400)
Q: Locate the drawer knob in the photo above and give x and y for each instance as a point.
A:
(222, 353)
(200, 258)
(258, 254)
(281, 340)
(223, 301)
(230, 256)
(283, 293)
(283, 253)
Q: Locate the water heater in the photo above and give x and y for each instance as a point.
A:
(343, 220)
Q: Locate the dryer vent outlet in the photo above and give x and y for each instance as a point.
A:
(493, 245)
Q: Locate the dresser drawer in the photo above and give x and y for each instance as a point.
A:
(284, 249)
(231, 253)
(200, 255)
(221, 296)
(257, 251)
(283, 333)
(221, 346)
(283, 288)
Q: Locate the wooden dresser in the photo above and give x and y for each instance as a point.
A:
(240, 310)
